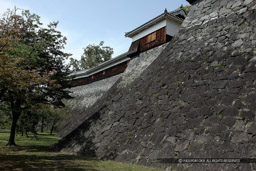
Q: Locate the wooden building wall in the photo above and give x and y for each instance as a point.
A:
(100, 76)
(152, 40)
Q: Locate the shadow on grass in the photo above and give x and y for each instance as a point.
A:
(40, 155)
(32, 148)
(43, 158)
(52, 162)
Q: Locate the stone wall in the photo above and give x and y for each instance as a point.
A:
(138, 64)
(196, 100)
(85, 96)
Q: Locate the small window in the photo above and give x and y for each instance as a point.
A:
(151, 37)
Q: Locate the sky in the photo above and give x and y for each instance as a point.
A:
(86, 22)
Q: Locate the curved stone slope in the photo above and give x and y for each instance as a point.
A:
(196, 100)
(86, 96)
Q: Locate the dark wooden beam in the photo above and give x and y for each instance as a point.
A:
(192, 2)
(118, 69)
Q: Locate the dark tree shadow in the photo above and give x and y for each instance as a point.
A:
(55, 162)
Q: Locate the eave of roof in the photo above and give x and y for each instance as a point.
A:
(178, 10)
(194, 1)
(103, 66)
(154, 21)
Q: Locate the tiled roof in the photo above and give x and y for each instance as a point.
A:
(103, 66)
(177, 15)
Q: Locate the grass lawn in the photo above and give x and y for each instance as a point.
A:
(34, 154)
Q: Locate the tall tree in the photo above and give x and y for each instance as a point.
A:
(74, 65)
(32, 67)
(93, 55)
(31, 117)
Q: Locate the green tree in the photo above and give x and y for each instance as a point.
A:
(30, 118)
(28, 121)
(74, 64)
(186, 8)
(32, 69)
(93, 55)
(57, 115)
(50, 116)
(4, 117)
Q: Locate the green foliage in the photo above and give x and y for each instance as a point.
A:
(40, 115)
(93, 55)
(186, 8)
(32, 69)
(156, 95)
(74, 64)
(28, 122)
(52, 116)
(4, 121)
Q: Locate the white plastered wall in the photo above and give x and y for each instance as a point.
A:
(171, 29)
(149, 30)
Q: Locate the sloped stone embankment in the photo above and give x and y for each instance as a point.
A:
(196, 100)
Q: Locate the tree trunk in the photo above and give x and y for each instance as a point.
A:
(15, 117)
(42, 126)
(26, 132)
(53, 126)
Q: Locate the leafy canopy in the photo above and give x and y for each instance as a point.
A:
(32, 69)
(186, 8)
(93, 55)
